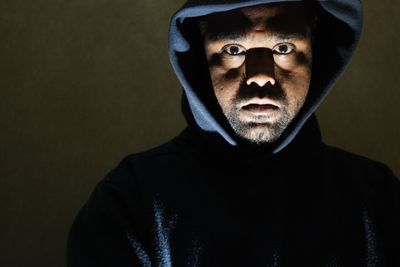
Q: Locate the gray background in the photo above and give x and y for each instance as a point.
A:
(84, 83)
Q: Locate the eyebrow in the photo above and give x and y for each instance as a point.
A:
(227, 35)
(292, 35)
(239, 35)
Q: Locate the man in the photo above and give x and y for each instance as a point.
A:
(249, 181)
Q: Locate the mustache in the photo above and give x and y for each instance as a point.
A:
(247, 92)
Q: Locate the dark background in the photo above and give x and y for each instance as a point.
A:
(84, 83)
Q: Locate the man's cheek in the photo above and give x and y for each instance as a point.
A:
(298, 76)
(225, 78)
(232, 62)
(224, 86)
(293, 62)
(225, 89)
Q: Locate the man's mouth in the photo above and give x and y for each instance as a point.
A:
(260, 107)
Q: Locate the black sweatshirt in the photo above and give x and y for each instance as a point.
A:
(179, 205)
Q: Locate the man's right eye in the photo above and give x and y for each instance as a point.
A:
(234, 50)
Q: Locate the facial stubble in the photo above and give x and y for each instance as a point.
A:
(256, 130)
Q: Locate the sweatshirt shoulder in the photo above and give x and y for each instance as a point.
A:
(360, 166)
(346, 157)
(152, 161)
(370, 180)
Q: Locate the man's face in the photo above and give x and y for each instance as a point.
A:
(260, 66)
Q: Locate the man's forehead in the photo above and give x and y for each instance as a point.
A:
(284, 18)
(263, 12)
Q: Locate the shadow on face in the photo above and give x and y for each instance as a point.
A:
(260, 65)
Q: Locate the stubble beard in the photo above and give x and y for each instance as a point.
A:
(256, 130)
(259, 132)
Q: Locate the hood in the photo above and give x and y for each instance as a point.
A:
(339, 24)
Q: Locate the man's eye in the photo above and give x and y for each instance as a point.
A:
(234, 50)
(283, 49)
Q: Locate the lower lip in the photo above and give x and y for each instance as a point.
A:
(260, 108)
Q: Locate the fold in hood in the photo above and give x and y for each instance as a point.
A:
(338, 29)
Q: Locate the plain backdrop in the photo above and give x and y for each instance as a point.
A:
(84, 83)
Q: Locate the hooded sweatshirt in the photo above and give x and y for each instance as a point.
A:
(207, 198)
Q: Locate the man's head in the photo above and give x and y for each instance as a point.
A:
(260, 65)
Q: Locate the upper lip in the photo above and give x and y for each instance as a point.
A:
(260, 102)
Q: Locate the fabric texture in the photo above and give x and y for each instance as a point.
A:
(207, 199)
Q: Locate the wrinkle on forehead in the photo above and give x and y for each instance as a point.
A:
(259, 14)
(285, 19)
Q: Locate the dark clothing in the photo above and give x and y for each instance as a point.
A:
(208, 199)
(180, 205)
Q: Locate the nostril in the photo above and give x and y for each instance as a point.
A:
(260, 80)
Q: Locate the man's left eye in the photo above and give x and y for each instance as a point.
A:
(283, 49)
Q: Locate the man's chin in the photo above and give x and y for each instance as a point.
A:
(259, 129)
(259, 133)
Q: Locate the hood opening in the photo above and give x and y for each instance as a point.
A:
(337, 33)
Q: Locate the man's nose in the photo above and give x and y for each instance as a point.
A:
(260, 67)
